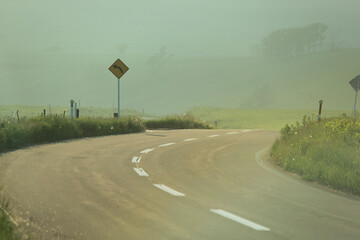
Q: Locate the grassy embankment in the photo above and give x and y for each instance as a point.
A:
(327, 152)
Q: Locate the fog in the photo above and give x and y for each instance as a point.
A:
(181, 54)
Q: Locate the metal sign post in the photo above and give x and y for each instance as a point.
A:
(71, 109)
(118, 97)
(356, 93)
(118, 68)
(320, 107)
(355, 83)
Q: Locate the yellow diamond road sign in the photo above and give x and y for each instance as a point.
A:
(118, 68)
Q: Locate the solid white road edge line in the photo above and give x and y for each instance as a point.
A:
(166, 144)
(169, 190)
(240, 220)
(147, 150)
(190, 139)
(141, 172)
(211, 136)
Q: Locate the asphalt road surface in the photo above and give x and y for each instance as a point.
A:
(180, 184)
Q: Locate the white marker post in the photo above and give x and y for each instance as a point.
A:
(355, 83)
(118, 68)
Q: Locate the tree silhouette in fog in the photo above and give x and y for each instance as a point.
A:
(295, 41)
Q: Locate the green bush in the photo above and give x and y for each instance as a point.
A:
(177, 122)
(52, 129)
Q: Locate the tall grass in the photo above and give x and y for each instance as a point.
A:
(14, 134)
(327, 152)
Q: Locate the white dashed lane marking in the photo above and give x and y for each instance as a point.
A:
(212, 136)
(136, 159)
(147, 150)
(190, 139)
(166, 144)
(230, 133)
(240, 220)
(141, 172)
(169, 190)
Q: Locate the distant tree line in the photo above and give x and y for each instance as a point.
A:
(295, 41)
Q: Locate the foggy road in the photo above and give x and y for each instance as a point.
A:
(179, 184)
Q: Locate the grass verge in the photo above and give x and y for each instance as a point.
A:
(327, 152)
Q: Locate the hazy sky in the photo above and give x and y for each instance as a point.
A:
(53, 51)
(187, 27)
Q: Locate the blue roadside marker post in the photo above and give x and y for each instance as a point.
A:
(118, 68)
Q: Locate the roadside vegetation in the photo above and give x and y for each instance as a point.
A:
(15, 134)
(327, 152)
(177, 122)
(7, 229)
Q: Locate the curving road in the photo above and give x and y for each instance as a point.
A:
(183, 184)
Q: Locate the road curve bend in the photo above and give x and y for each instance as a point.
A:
(176, 184)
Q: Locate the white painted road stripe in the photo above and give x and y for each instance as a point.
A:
(247, 130)
(230, 133)
(166, 144)
(147, 150)
(169, 190)
(211, 136)
(190, 139)
(240, 220)
(141, 172)
(136, 159)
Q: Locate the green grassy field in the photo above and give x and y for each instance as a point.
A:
(225, 117)
(256, 119)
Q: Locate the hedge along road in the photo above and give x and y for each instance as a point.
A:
(183, 184)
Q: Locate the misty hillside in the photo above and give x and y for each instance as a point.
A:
(164, 84)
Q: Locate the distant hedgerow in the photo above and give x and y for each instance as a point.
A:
(177, 122)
